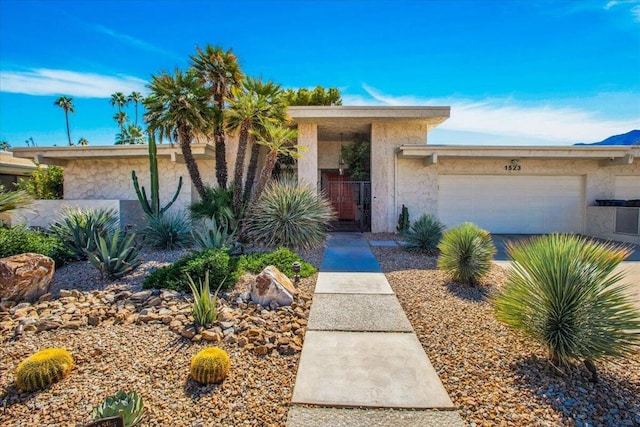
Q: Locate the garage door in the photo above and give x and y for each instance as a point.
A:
(513, 204)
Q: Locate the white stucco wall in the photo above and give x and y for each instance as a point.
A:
(308, 163)
(45, 212)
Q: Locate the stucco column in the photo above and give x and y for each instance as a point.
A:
(381, 178)
(308, 163)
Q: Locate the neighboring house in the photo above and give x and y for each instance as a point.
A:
(506, 190)
(12, 168)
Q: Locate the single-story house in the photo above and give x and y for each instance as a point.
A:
(13, 168)
(504, 189)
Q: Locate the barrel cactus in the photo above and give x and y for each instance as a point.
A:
(210, 365)
(43, 368)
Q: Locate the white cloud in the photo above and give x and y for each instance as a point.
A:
(43, 81)
(141, 44)
(635, 11)
(505, 119)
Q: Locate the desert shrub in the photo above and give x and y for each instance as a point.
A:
(129, 405)
(169, 231)
(466, 252)
(561, 292)
(204, 307)
(220, 265)
(290, 215)
(19, 240)
(423, 235)
(43, 368)
(281, 258)
(114, 256)
(78, 228)
(210, 365)
(44, 183)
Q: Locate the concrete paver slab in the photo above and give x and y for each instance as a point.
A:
(358, 312)
(349, 258)
(352, 283)
(383, 243)
(369, 369)
(347, 417)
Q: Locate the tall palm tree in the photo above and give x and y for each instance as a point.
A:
(136, 98)
(219, 71)
(4, 146)
(274, 95)
(66, 103)
(279, 139)
(121, 118)
(178, 109)
(119, 100)
(83, 142)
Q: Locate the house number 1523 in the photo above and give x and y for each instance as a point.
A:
(512, 167)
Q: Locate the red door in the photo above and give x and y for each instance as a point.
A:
(341, 195)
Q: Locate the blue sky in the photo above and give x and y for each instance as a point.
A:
(514, 72)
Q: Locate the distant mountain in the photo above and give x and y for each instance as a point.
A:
(628, 138)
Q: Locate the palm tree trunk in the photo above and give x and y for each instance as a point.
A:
(136, 113)
(265, 175)
(251, 171)
(221, 158)
(190, 161)
(66, 117)
(239, 166)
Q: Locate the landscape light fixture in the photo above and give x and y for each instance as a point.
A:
(296, 269)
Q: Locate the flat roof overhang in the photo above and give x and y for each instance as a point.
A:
(11, 165)
(333, 121)
(607, 155)
(62, 155)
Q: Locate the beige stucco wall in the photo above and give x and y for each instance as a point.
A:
(308, 163)
(45, 212)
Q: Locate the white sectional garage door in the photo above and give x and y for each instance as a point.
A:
(513, 204)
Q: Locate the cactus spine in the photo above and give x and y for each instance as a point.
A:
(210, 365)
(153, 208)
(43, 368)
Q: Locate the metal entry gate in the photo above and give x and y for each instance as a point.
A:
(352, 203)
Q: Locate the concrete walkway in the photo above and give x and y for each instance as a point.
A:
(362, 363)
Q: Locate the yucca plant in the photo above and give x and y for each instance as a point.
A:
(78, 228)
(466, 252)
(217, 235)
(128, 405)
(290, 215)
(115, 256)
(423, 235)
(168, 231)
(204, 307)
(562, 291)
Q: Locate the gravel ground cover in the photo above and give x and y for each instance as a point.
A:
(493, 374)
(153, 359)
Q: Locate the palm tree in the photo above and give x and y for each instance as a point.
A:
(178, 109)
(118, 99)
(66, 103)
(4, 146)
(83, 142)
(278, 139)
(219, 71)
(136, 98)
(121, 118)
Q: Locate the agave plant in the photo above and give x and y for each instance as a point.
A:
(114, 256)
(423, 235)
(167, 231)
(10, 201)
(79, 228)
(563, 292)
(466, 252)
(128, 405)
(290, 215)
(216, 236)
(204, 308)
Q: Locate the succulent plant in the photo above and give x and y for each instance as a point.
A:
(79, 228)
(114, 257)
(466, 252)
(43, 368)
(423, 235)
(204, 307)
(210, 365)
(129, 405)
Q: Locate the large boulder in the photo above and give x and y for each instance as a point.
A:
(25, 277)
(271, 288)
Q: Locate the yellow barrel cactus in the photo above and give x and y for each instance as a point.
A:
(43, 368)
(210, 365)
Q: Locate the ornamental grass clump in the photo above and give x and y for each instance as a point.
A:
(423, 235)
(210, 365)
(562, 292)
(43, 368)
(204, 308)
(466, 252)
(128, 405)
(290, 215)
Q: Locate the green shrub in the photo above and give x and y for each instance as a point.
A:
(129, 405)
(221, 268)
(43, 368)
(19, 240)
(204, 307)
(114, 256)
(561, 292)
(282, 259)
(466, 252)
(78, 229)
(289, 215)
(44, 183)
(167, 231)
(423, 235)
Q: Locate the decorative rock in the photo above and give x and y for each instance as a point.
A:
(188, 332)
(25, 276)
(271, 287)
(210, 335)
